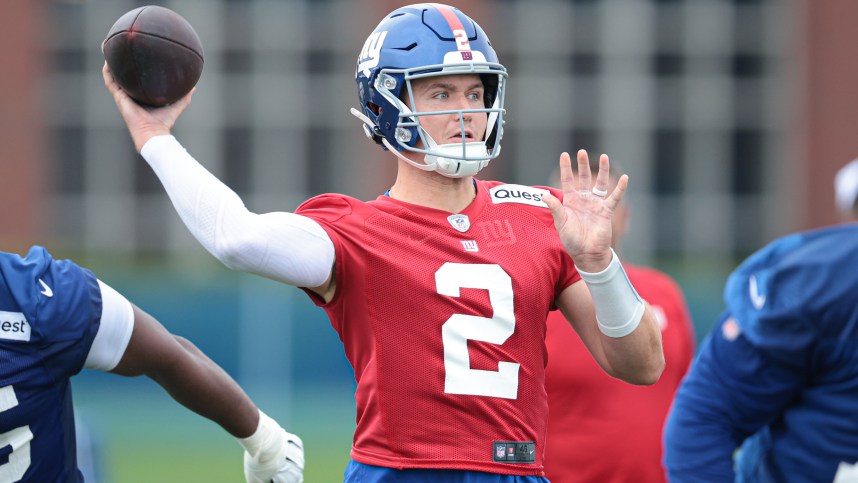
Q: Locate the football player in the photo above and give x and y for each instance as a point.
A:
(589, 420)
(778, 375)
(57, 318)
(440, 287)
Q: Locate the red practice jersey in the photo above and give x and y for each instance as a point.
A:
(601, 429)
(443, 320)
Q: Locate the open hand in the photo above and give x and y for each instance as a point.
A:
(583, 218)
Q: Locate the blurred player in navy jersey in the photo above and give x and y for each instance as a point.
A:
(778, 375)
(57, 318)
(440, 287)
(590, 417)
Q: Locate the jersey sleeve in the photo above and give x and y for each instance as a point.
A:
(732, 390)
(568, 275)
(65, 312)
(327, 210)
(114, 332)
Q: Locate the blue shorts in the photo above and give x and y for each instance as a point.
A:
(361, 473)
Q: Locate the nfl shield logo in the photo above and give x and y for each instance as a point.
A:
(459, 222)
(500, 452)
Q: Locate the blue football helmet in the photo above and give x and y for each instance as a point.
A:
(427, 40)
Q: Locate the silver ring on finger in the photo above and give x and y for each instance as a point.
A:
(600, 192)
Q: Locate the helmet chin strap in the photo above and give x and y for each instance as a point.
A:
(367, 129)
(449, 167)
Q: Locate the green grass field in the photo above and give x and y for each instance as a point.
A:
(145, 437)
(195, 459)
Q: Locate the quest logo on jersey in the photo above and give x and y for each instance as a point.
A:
(14, 326)
(516, 193)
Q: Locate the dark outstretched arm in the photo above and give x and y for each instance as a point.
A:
(188, 375)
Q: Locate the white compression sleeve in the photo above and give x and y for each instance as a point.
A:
(619, 308)
(282, 246)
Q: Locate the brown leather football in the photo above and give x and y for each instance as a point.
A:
(154, 54)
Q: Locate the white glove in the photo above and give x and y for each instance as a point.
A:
(273, 455)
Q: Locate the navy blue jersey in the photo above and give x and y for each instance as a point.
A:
(49, 315)
(779, 372)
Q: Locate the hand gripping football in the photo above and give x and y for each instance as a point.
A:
(154, 54)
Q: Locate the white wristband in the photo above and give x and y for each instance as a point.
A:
(272, 455)
(619, 308)
(265, 430)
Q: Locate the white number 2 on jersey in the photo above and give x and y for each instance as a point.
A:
(18, 438)
(459, 378)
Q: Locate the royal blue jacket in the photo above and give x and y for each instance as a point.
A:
(778, 375)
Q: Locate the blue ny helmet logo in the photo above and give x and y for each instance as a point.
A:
(370, 54)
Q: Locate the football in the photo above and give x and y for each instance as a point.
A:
(154, 54)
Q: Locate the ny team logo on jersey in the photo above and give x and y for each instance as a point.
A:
(470, 245)
(14, 326)
(500, 232)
